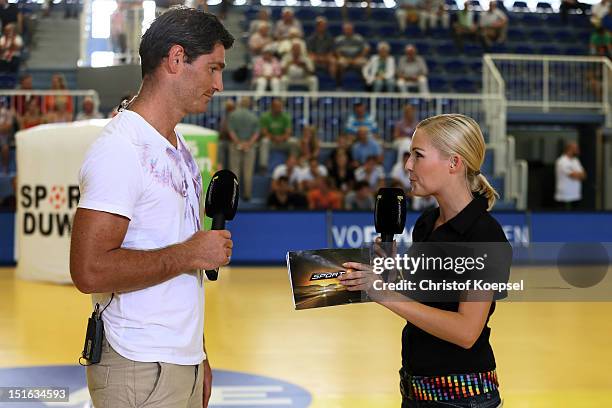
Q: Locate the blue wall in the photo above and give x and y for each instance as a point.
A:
(265, 237)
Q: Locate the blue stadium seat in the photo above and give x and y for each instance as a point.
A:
(473, 50)
(487, 165)
(389, 159)
(364, 30)
(520, 6)
(573, 50)
(6, 186)
(464, 86)
(446, 49)
(475, 4)
(524, 49)
(437, 84)
(564, 36)
(422, 48)
(332, 13)
(452, 4)
(7, 81)
(386, 31)
(356, 13)
(261, 186)
(455, 66)
(498, 49)
(306, 13)
(515, 34)
(335, 29)
(551, 49)
(276, 157)
(544, 6)
(539, 35)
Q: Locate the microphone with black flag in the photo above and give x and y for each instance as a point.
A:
(390, 213)
(221, 204)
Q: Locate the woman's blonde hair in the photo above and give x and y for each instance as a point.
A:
(455, 134)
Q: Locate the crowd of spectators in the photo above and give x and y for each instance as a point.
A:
(29, 109)
(281, 56)
(345, 177)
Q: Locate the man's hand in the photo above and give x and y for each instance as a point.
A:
(210, 249)
(207, 388)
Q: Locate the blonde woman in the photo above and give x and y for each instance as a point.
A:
(58, 83)
(309, 143)
(445, 341)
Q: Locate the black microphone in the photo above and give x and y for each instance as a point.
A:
(390, 212)
(221, 204)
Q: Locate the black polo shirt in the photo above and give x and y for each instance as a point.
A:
(427, 355)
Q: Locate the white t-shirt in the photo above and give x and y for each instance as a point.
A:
(133, 171)
(488, 18)
(373, 178)
(568, 189)
(281, 171)
(306, 175)
(399, 173)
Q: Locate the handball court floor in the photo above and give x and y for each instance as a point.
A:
(548, 354)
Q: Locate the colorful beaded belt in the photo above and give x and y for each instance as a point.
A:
(447, 387)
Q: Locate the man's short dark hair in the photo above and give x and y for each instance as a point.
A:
(196, 31)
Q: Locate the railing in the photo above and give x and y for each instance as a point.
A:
(516, 182)
(494, 85)
(328, 112)
(16, 100)
(552, 82)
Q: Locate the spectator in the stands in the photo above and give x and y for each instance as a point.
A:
(58, 83)
(267, 71)
(286, 23)
(567, 5)
(289, 169)
(360, 118)
(7, 121)
(465, 26)
(285, 46)
(298, 69)
(20, 102)
(118, 28)
(351, 51)
(11, 45)
(324, 195)
(283, 198)
(601, 43)
(407, 12)
(10, 14)
(260, 39)
(309, 143)
(598, 12)
(606, 21)
(493, 25)
(88, 110)
(399, 175)
(403, 130)
(371, 172)
(243, 127)
(361, 198)
(341, 171)
(32, 116)
(365, 147)
(9, 203)
(310, 173)
(412, 71)
(263, 16)
(343, 145)
(320, 47)
(276, 133)
(433, 13)
(570, 175)
(379, 72)
(224, 138)
(59, 113)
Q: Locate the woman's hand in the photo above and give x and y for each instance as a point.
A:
(360, 277)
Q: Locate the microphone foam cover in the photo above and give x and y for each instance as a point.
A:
(390, 211)
(222, 195)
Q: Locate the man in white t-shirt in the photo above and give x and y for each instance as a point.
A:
(136, 243)
(493, 25)
(570, 174)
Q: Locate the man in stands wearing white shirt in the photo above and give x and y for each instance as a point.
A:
(493, 25)
(136, 243)
(570, 176)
